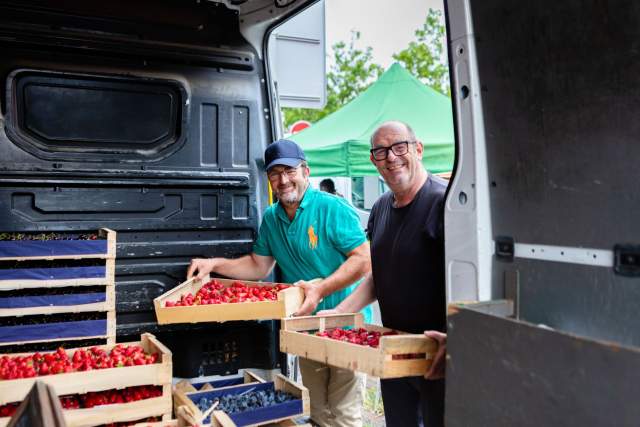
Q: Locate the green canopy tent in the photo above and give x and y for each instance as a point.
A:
(338, 145)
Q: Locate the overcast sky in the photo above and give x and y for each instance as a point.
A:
(386, 25)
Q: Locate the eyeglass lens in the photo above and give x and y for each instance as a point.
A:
(399, 149)
(291, 173)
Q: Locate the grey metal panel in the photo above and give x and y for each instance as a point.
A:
(240, 136)
(297, 55)
(209, 134)
(580, 299)
(468, 233)
(502, 372)
(208, 206)
(157, 201)
(561, 99)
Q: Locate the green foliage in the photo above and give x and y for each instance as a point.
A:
(426, 57)
(351, 73)
(373, 400)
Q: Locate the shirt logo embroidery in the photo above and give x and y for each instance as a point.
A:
(313, 239)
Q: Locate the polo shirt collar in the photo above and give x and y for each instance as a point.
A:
(308, 196)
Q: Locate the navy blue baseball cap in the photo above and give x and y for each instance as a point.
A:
(283, 152)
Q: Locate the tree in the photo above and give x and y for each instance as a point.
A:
(351, 73)
(426, 57)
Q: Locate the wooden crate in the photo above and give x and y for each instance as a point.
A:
(22, 250)
(263, 416)
(159, 374)
(101, 379)
(386, 361)
(289, 300)
(183, 388)
(122, 412)
(22, 278)
(64, 332)
(54, 304)
(16, 305)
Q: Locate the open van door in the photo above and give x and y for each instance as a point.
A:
(542, 214)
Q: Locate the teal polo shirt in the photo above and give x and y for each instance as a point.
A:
(315, 243)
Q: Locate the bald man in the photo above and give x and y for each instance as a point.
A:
(406, 232)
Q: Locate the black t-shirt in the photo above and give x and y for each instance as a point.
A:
(407, 255)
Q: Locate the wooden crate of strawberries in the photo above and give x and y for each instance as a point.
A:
(343, 340)
(96, 385)
(219, 300)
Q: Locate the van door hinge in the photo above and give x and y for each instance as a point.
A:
(626, 260)
(504, 248)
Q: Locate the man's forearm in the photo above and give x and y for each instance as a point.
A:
(357, 265)
(361, 297)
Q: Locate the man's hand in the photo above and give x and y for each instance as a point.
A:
(201, 266)
(436, 370)
(312, 296)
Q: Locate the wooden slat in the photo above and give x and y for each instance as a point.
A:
(283, 383)
(407, 344)
(56, 257)
(111, 327)
(151, 345)
(80, 308)
(110, 254)
(16, 284)
(250, 377)
(167, 423)
(292, 298)
(93, 337)
(306, 323)
(108, 280)
(405, 368)
(221, 419)
(111, 241)
(157, 406)
(185, 386)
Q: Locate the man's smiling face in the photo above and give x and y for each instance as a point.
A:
(398, 171)
(289, 183)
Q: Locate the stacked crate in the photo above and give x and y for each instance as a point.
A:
(157, 374)
(43, 305)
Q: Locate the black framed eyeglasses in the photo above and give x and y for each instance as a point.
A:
(291, 172)
(399, 148)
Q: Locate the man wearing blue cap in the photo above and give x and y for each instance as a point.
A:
(310, 234)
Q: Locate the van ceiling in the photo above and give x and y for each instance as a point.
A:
(207, 23)
(184, 22)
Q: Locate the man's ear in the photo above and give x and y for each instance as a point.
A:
(419, 149)
(372, 159)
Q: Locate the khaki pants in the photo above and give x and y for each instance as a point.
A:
(336, 394)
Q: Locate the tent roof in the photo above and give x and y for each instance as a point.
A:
(338, 145)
